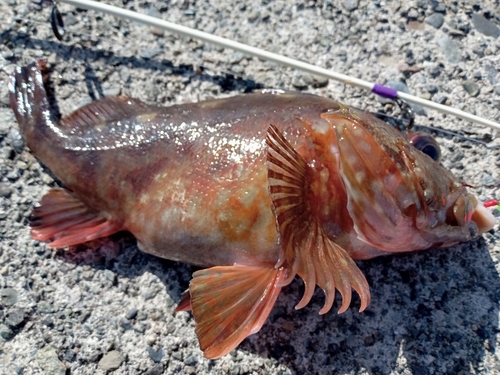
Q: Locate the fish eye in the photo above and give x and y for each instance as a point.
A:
(425, 143)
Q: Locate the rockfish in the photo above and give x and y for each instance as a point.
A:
(255, 188)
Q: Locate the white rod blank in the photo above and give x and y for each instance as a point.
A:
(265, 55)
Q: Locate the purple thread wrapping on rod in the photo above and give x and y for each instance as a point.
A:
(386, 92)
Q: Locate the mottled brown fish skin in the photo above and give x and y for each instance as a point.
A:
(190, 181)
(194, 189)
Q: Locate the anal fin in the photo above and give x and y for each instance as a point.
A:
(64, 220)
(230, 303)
(184, 303)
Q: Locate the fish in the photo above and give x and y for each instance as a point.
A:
(254, 189)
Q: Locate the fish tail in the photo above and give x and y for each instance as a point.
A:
(30, 102)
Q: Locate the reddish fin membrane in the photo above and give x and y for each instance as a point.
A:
(306, 250)
(64, 220)
(184, 303)
(230, 303)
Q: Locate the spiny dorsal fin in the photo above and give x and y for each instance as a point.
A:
(230, 303)
(65, 220)
(106, 110)
(306, 250)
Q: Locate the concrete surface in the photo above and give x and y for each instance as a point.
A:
(106, 307)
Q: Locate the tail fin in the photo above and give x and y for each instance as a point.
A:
(30, 102)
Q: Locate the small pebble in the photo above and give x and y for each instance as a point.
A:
(149, 53)
(44, 307)
(156, 355)
(436, 20)
(443, 99)
(434, 71)
(298, 80)
(15, 317)
(153, 12)
(478, 50)
(5, 332)
(191, 360)
(113, 91)
(412, 14)
(450, 49)
(111, 360)
(350, 5)
(149, 293)
(157, 369)
(8, 54)
(49, 361)
(471, 87)
(8, 296)
(70, 20)
(437, 6)
(16, 140)
(485, 26)
(152, 91)
(426, 96)
(490, 181)
(124, 74)
(432, 89)
(5, 189)
(491, 74)
(52, 59)
(177, 355)
(236, 58)
(47, 321)
(125, 324)
(132, 313)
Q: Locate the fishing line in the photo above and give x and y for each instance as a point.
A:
(376, 88)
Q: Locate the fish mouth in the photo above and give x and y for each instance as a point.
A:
(483, 218)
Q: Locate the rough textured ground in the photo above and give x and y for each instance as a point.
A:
(108, 307)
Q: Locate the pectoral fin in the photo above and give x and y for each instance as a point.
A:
(230, 303)
(64, 220)
(306, 250)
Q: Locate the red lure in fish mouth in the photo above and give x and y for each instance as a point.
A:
(257, 188)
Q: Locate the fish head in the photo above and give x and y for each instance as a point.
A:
(448, 213)
(399, 198)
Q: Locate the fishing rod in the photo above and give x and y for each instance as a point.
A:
(376, 88)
